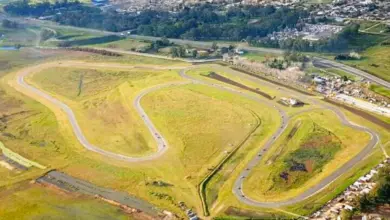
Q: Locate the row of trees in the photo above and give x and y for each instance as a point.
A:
(380, 196)
(205, 23)
(45, 8)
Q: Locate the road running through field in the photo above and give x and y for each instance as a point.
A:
(162, 144)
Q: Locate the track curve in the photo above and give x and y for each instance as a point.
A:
(162, 144)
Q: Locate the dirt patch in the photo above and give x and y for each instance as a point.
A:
(361, 113)
(234, 83)
(123, 200)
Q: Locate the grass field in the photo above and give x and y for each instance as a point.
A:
(259, 57)
(203, 125)
(28, 201)
(175, 167)
(18, 158)
(102, 100)
(60, 150)
(314, 145)
(19, 36)
(375, 60)
(126, 44)
(380, 90)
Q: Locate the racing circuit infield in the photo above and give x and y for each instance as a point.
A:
(163, 145)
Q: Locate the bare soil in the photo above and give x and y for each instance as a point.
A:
(234, 83)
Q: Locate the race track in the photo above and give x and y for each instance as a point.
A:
(162, 144)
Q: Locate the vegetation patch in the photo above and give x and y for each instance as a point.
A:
(315, 150)
(94, 40)
(283, 146)
(380, 90)
(18, 158)
(200, 123)
(375, 60)
(312, 147)
(102, 100)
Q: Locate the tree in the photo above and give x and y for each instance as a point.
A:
(165, 41)
(174, 52)
(366, 203)
(214, 46)
(181, 51)
(47, 34)
(194, 53)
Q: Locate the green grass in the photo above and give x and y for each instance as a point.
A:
(364, 24)
(19, 36)
(197, 117)
(316, 148)
(18, 158)
(380, 90)
(259, 57)
(366, 40)
(320, 143)
(27, 201)
(63, 152)
(126, 44)
(176, 166)
(104, 103)
(376, 60)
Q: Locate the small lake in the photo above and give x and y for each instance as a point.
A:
(9, 48)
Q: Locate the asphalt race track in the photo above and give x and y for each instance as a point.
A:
(162, 144)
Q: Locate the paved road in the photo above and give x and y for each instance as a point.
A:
(316, 60)
(333, 64)
(237, 190)
(163, 145)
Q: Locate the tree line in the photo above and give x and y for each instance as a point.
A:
(201, 22)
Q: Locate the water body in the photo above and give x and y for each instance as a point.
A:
(8, 48)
